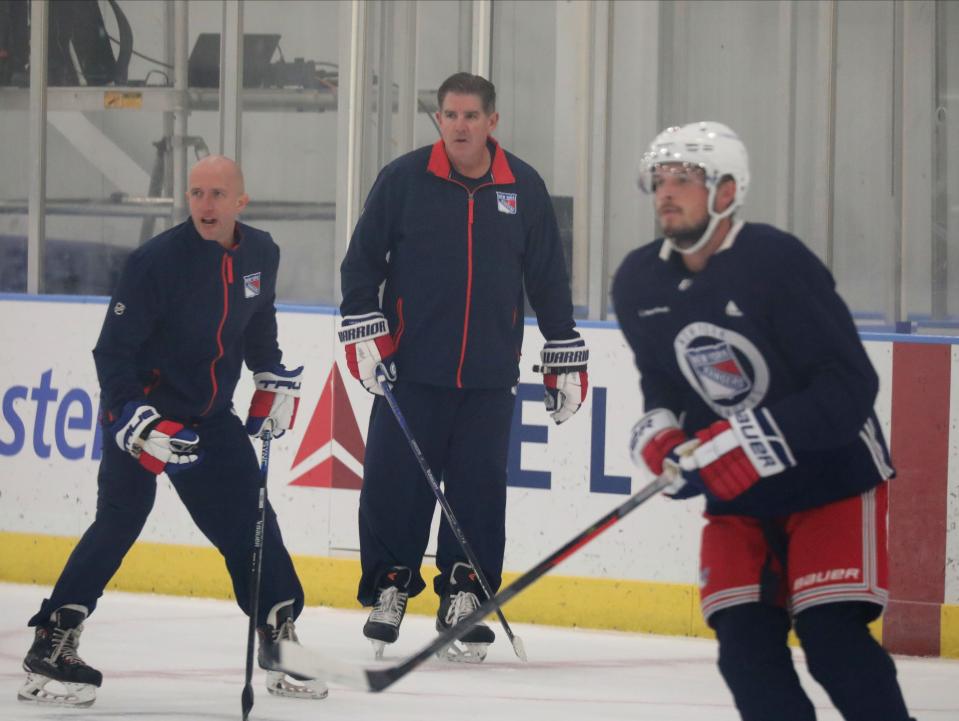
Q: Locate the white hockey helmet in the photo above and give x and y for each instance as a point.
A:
(711, 146)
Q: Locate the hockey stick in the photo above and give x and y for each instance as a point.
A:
(297, 659)
(517, 642)
(256, 566)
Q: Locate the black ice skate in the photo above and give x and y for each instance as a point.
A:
(53, 657)
(279, 627)
(462, 597)
(383, 625)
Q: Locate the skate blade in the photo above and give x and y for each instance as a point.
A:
(464, 652)
(279, 685)
(378, 648)
(75, 695)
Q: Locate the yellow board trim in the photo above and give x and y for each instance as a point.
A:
(949, 631)
(555, 600)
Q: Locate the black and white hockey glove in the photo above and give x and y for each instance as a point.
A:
(564, 376)
(159, 444)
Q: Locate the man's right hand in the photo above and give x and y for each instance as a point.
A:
(159, 444)
(656, 445)
(368, 344)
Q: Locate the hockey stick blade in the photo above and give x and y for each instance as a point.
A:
(519, 649)
(297, 659)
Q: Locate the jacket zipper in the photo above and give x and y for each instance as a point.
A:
(469, 292)
(226, 275)
(469, 275)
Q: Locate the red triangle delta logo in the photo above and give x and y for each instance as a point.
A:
(332, 450)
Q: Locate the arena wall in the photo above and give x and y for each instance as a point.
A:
(640, 575)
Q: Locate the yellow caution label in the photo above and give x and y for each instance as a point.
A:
(116, 100)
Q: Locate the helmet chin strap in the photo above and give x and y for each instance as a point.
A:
(714, 219)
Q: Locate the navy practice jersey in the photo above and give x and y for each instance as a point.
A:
(760, 326)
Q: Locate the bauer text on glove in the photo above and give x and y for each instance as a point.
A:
(564, 376)
(275, 401)
(368, 344)
(158, 443)
(732, 455)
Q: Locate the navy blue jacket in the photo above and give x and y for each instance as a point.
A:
(185, 315)
(760, 326)
(456, 267)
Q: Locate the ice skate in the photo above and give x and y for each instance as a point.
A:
(279, 627)
(53, 658)
(462, 597)
(383, 625)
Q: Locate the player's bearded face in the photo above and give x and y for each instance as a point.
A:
(681, 202)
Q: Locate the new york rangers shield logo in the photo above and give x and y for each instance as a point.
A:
(506, 203)
(724, 367)
(251, 285)
(719, 372)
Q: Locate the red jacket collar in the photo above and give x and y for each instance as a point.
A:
(439, 164)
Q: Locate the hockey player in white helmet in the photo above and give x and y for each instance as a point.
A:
(703, 153)
(758, 394)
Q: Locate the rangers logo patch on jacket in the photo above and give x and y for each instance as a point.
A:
(506, 202)
(251, 285)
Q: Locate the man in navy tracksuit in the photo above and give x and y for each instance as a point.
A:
(191, 305)
(457, 231)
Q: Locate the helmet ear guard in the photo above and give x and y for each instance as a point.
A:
(712, 147)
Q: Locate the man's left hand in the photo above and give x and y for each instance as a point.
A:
(275, 401)
(564, 376)
(732, 455)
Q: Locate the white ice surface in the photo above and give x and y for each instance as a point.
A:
(171, 659)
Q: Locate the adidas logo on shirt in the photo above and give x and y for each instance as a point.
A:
(733, 310)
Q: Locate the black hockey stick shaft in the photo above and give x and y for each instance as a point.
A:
(256, 567)
(380, 679)
(516, 642)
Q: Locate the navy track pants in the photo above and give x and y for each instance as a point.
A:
(220, 494)
(464, 436)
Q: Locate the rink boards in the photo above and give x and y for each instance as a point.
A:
(640, 575)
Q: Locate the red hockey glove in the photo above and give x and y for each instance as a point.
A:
(275, 401)
(655, 445)
(368, 344)
(734, 454)
(159, 444)
(564, 376)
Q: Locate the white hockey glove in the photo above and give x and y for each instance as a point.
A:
(158, 443)
(565, 377)
(368, 344)
(275, 401)
(656, 445)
